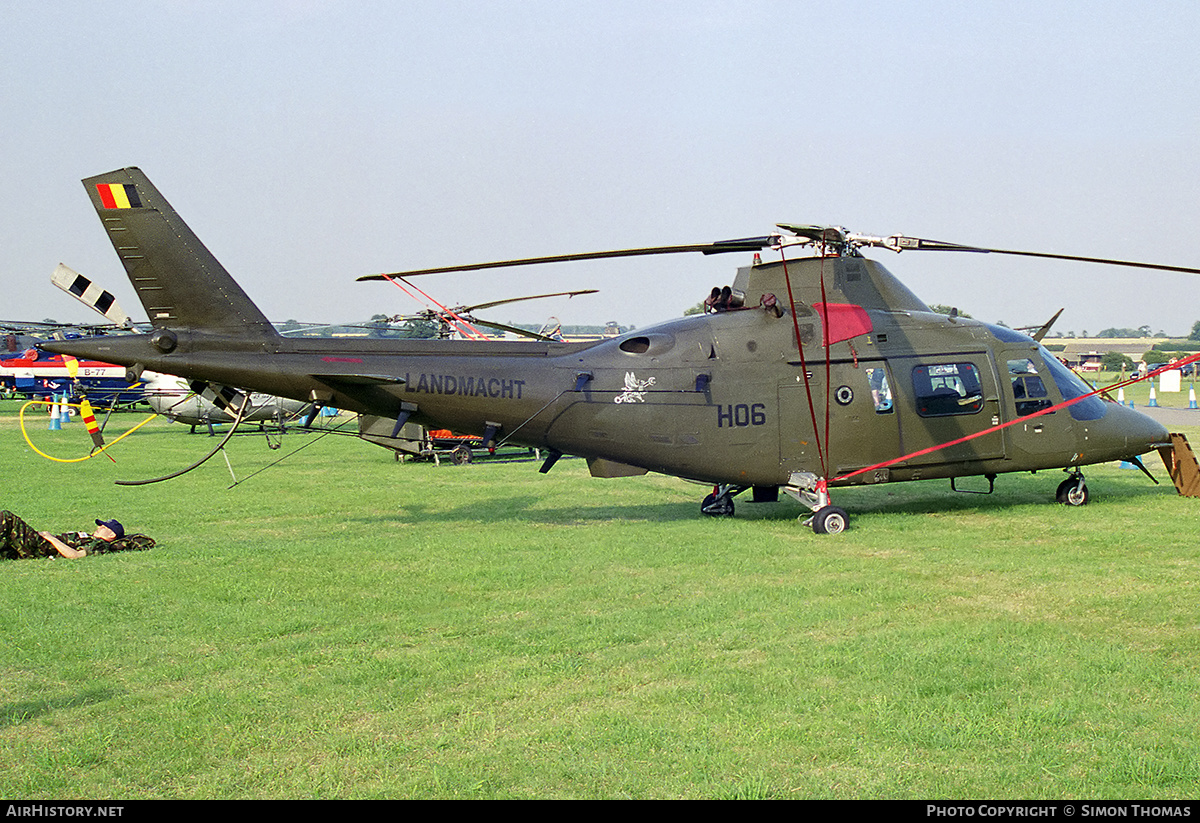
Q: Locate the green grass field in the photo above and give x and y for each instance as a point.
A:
(345, 626)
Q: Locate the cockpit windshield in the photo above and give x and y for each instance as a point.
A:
(1070, 385)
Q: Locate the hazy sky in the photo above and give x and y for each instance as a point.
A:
(308, 143)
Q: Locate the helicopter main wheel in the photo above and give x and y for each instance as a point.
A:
(830, 520)
(717, 505)
(1072, 492)
(461, 456)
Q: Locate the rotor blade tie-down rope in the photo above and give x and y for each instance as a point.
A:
(335, 430)
(825, 343)
(237, 421)
(812, 413)
(523, 423)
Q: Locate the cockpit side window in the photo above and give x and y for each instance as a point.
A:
(1029, 391)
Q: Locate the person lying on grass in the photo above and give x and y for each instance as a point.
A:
(20, 541)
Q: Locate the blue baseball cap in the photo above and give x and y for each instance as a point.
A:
(115, 525)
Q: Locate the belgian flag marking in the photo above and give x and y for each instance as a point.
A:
(118, 195)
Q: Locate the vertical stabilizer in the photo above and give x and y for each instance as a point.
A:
(180, 283)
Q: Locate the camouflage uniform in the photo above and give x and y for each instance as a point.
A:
(19, 541)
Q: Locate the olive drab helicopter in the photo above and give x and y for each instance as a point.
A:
(823, 371)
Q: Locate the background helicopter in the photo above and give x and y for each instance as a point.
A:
(460, 321)
(827, 372)
(175, 399)
(26, 370)
(35, 373)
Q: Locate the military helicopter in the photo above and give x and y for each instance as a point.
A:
(823, 371)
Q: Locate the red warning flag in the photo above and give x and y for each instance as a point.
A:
(843, 321)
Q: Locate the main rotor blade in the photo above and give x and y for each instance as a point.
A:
(35, 325)
(720, 247)
(468, 309)
(513, 329)
(900, 243)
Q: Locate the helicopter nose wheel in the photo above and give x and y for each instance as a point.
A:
(830, 520)
(813, 493)
(719, 503)
(1072, 491)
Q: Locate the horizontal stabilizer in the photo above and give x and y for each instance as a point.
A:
(360, 379)
(363, 391)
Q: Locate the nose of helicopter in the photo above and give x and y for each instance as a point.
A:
(1123, 433)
